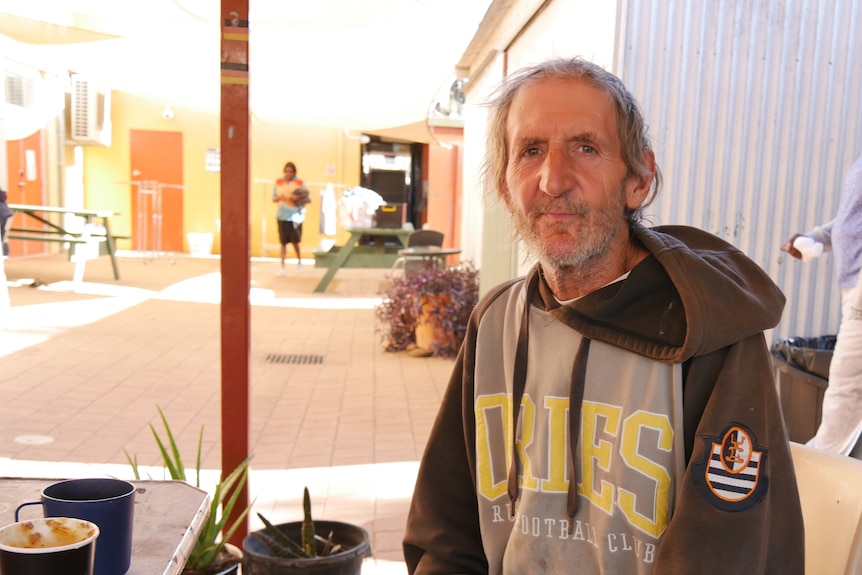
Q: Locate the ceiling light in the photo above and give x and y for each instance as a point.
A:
(361, 138)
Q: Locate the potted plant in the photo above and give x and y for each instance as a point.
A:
(307, 547)
(211, 554)
(428, 309)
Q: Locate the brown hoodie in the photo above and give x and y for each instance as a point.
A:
(679, 461)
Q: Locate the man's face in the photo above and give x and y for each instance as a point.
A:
(565, 177)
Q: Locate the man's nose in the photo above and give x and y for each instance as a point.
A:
(557, 174)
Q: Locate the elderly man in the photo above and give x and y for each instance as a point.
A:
(613, 412)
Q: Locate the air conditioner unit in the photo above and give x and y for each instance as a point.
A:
(90, 112)
(19, 90)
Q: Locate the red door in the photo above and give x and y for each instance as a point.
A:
(24, 159)
(157, 195)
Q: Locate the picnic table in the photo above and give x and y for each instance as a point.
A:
(52, 231)
(351, 254)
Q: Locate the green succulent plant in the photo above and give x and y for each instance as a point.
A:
(215, 532)
(311, 545)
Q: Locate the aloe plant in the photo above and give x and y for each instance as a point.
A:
(280, 545)
(307, 526)
(224, 498)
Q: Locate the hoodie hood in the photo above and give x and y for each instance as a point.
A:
(694, 294)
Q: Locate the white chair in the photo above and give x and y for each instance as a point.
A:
(830, 487)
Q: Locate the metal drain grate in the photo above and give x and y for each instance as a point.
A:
(293, 358)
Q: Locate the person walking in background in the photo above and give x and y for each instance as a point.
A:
(5, 220)
(292, 197)
(841, 419)
(615, 410)
(5, 217)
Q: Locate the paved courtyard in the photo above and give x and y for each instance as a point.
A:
(84, 365)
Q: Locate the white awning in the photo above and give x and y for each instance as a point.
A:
(351, 64)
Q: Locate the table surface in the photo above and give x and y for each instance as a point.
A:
(380, 231)
(168, 516)
(428, 251)
(58, 210)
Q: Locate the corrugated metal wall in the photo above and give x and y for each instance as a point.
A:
(756, 111)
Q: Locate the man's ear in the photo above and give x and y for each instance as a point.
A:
(639, 186)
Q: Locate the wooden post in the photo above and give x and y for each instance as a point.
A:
(235, 246)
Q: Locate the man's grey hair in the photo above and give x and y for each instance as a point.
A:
(632, 130)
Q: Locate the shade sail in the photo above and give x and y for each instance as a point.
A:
(351, 64)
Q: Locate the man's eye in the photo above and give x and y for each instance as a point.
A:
(532, 151)
(585, 149)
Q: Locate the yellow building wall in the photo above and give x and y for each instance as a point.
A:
(322, 155)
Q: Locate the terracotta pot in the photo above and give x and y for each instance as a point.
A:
(232, 569)
(428, 335)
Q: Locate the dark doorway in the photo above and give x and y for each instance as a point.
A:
(391, 184)
(393, 169)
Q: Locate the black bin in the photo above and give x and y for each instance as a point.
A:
(802, 375)
(391, 216)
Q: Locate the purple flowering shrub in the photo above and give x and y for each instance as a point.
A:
(448, 296)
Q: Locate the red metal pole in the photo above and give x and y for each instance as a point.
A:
(235, 250)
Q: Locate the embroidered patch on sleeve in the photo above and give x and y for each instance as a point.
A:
(732, 476)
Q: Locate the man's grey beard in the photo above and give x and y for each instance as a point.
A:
(593, 237)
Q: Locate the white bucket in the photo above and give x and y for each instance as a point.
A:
(200, 244)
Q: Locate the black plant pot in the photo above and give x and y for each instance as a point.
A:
(355, 546)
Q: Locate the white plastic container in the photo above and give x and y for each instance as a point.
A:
(200, 244)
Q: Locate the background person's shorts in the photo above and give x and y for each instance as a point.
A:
(289, 232)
